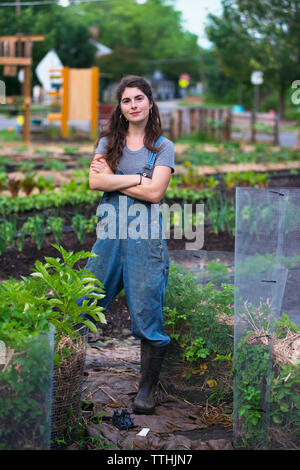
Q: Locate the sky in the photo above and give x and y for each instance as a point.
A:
(194, 13)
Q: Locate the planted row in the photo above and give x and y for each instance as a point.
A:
(37, 228)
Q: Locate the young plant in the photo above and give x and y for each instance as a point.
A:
(56, 224)
(3, 180)
(8, 231)
(14, 186)
(34, 226)
(57, 284)
(44, 182)
(28, 183)
(71, 150)
(54, 164)
(79, 223)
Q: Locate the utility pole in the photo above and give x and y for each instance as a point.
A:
(18, 7)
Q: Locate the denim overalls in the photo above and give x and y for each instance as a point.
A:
(139, 263)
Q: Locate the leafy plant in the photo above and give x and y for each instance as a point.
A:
(14, 186)
(34, 226)
(196, 351)
(25, 377)
(8, 231)
(57, 284)
(3, 180)
(71, 150)
(55, 224)
(28, 183)
(44, 183)
(192, 314)
(79, 223)
(218, 271)
(54, 164)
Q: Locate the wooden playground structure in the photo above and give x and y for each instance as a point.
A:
(78, 95)
(16, 51)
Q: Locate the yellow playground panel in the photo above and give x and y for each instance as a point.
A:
(78, 96)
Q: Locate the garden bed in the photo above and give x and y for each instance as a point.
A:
(16, 264)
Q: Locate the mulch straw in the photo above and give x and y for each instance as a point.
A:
(284, 351)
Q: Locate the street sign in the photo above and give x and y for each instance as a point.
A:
(257, 77)
(50, 61)
(184, 80)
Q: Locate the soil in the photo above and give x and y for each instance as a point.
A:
(16, 264)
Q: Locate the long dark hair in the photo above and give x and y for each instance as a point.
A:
(117, 126)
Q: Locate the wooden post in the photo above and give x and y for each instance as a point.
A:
(65, 102)
(27, 102)
(276, 129)
(227, 127)
(220, 120)
(94, 104)
(176, 124)
(253, 120)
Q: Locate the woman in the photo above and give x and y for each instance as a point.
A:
(132, 165)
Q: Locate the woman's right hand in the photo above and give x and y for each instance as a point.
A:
(100, 165)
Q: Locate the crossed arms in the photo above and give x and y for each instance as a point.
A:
(102, 178)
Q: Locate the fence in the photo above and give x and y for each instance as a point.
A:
(223, 124)
(217, 123)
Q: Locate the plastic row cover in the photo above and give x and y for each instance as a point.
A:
(267, 319)
(25, 394)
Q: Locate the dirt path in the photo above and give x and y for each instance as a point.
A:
(111, 382)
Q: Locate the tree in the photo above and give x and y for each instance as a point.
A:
(64, 30)
(143, 37)
(234, 47)
(273, 29)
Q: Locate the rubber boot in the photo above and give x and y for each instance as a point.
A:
(151, 361)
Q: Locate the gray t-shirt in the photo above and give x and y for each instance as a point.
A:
(133, 161)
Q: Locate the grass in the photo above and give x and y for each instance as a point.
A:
(9, 136)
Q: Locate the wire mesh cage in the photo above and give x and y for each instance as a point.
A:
(198, 319)
(67, 388)
(25, 394)
(267, 319)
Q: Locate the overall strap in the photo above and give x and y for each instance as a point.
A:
(150, 163)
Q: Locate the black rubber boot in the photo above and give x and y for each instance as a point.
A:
(151, 361)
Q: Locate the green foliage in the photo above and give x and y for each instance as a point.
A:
(56, 224)
(71, 150)
(57, 284)
(79, 223)
(8, 231)
(25, 378)
(141, 37)
(25, 387)
(34, 226)
(192, 315)
(54, 164)
(241, 37)
(196, 351)
(264, 390)
(44, 183)
(28, 309)
(218, 271)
